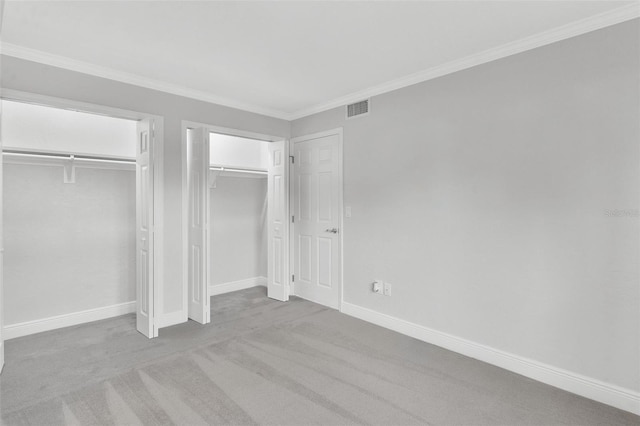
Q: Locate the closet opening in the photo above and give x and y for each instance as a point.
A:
(77, 218)
(236, 215)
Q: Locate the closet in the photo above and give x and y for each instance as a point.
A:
(69, 217)
(237, 213)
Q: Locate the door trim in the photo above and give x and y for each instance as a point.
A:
(158, 174)
(187, 124)
(337, 132)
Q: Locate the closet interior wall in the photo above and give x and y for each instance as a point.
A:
(238, 213)
(69, 247)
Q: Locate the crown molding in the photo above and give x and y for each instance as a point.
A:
(596, 22)
(592, 23)
(21, 52)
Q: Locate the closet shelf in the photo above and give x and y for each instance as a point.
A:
(35, 155)
(222, 171)
(238, 170)
(69, 162)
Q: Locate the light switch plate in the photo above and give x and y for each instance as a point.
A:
(386, 289)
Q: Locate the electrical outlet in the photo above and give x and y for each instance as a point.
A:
(386, 289)
(377, 286)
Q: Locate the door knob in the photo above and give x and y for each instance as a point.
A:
(332, 230)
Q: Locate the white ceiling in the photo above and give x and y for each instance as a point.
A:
(284, 59)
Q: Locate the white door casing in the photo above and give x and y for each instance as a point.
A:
(145, 230)
(278, 221)
(198, 211)
(1, 252)
(317, 198)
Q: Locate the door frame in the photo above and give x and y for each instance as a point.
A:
(158, 173)
(337, 132)
(187, 124)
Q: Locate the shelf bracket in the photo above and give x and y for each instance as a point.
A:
(70, 170)
(213, 177)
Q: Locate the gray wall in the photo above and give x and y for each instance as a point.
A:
(238, 229)
(484, 197)
(42, 79)
(68, 247)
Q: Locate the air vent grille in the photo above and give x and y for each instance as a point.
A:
(358, 108)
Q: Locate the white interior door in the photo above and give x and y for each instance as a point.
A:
(145, 229)
(1, 247)
(278, 221)
(197, 172)
(317, 192)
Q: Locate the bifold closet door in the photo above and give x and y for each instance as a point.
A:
(145, 225)
(278, 221)
(1, 259)
(197, 172)
(1, 244)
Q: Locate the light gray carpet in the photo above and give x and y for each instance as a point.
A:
(266, 362)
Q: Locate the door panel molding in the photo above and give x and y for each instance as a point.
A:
(145, 306)
(278, 265)
(309, 268)
(198, 226)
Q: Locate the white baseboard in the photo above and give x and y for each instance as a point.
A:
(172, 318)
(237, 285)
(625, 399)
(178, 317)
(12, 331)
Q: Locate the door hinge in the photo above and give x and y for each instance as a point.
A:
(293, 159)
(293, 278)
(293, 219)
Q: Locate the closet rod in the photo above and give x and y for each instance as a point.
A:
(229, 169)
(67, 156)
